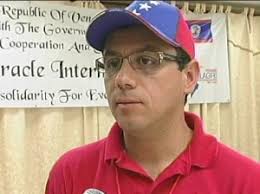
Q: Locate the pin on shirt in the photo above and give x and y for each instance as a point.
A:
(93, 191)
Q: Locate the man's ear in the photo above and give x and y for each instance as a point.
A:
(192, 73)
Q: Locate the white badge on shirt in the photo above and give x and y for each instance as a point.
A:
(93, 191)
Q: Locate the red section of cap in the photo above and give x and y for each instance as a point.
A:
(184, 37)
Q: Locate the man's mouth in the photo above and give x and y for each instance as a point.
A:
(126, 101)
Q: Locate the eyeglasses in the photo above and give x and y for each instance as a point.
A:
(147, 62)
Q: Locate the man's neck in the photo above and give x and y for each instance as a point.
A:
(158, 148)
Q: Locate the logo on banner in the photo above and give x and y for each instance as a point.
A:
(209, 75)
(201, 30)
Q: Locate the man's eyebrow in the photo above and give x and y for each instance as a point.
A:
(150, 47)
(147, 47)
(110, 52)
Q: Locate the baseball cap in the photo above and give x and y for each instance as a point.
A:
(165, 20)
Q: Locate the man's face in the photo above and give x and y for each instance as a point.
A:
(138, 100)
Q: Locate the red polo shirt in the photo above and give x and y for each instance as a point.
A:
(205, 167)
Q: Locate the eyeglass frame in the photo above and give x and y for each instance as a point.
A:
(162, 56)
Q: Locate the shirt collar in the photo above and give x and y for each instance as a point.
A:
(114, 143)
(201, 152)
(203, 147)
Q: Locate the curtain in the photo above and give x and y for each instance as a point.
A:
(237, 124)
(32, 139)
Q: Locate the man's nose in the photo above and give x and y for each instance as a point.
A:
(126, 76)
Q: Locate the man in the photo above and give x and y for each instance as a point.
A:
(154, 147)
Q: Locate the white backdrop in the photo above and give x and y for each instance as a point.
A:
(46, 61)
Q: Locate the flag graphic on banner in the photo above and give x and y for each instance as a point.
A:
(201, 30)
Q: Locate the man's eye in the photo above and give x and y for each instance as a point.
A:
(112, 63)
(146, 60)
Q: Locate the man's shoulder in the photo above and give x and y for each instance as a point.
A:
(87, 154)
(76, 167)
(229, 158)
(237, 171)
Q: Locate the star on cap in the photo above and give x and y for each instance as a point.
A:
(145, 6)
(155, 2)
(135, 12)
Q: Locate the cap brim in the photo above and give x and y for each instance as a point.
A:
(113, 19)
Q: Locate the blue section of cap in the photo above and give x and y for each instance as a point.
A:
(106, 23)
(162, 18)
